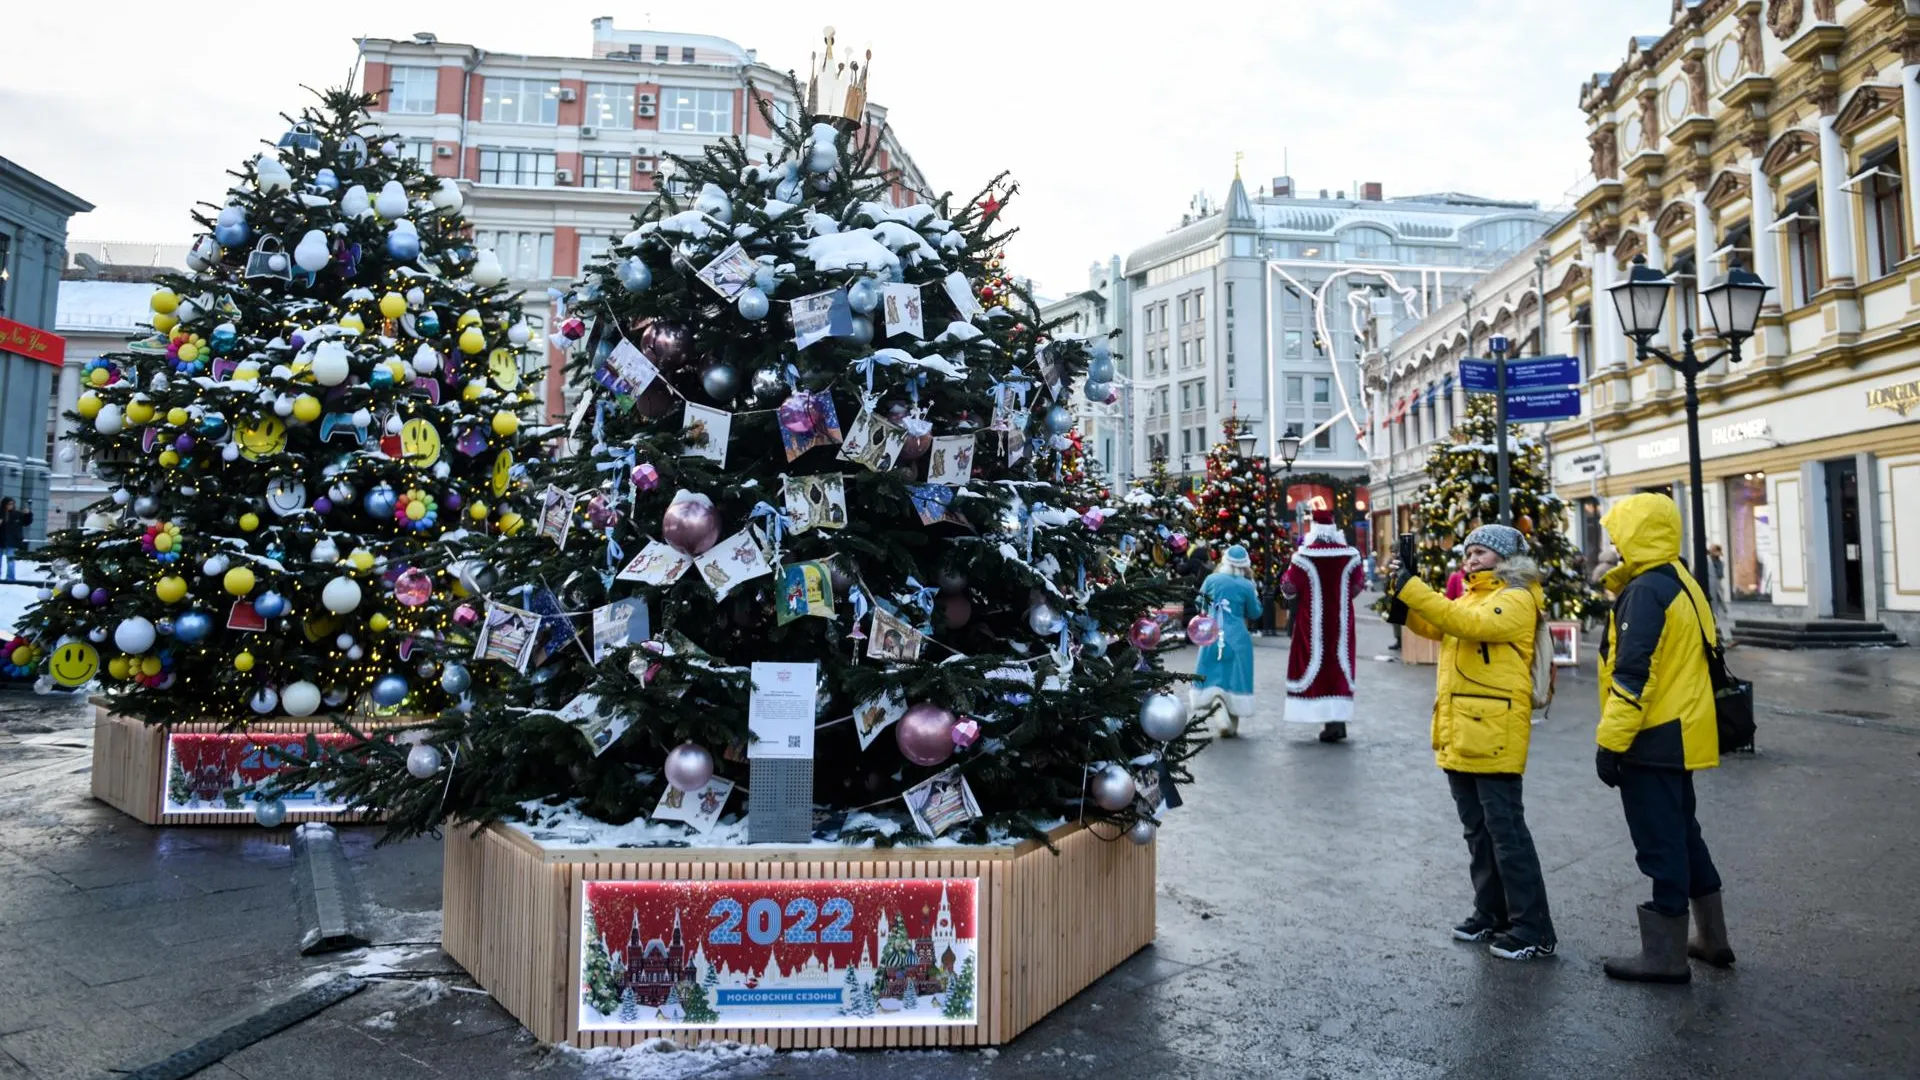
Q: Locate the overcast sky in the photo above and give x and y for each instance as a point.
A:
(1109, 123)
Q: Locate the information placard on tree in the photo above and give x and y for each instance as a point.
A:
(780, 714)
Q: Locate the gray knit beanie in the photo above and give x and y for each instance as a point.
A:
(1503, 540)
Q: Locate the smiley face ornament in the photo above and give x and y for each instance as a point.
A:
(74, 664)
(263, 438)
(420, 443)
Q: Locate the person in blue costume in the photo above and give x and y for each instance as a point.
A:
(1225, 667)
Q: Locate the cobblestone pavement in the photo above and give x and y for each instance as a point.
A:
(1305, 892)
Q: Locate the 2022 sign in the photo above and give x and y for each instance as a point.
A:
(220, 773)
(662, 954)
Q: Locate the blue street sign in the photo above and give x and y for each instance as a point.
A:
(1477, 376)
(1540, 372)
(1536, 405)
(1498, 343)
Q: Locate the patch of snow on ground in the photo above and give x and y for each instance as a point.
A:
(661, 1059)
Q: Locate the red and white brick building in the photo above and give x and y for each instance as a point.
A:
(556, 154)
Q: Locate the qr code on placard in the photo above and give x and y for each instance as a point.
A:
(793, 742)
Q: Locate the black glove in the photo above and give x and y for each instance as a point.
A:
(1607, 764)
(1400, 582)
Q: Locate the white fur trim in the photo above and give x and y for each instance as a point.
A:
(1304, 561)
(1326, 710)
(1238, 705)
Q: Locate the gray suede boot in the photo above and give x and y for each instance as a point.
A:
(1709, 941)
(1663, 951)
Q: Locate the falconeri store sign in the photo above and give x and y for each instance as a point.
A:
(1897, 397)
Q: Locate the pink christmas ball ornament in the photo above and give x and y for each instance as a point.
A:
(645, 477)
(466, 615)
(1144, 634)
(1203, 630)
(925, 733)
(690, 523)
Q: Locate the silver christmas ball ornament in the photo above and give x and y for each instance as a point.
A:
(689, 767)
(1141, 832)
(423, 761)
(269, 813)
(1112, 789)
(720, 382)
(1163, 718)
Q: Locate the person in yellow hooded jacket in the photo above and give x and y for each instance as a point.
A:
(1657, 728)
(1482, 721)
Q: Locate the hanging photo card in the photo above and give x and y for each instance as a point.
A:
(951, 460)
(738, 558)
(941, 802)
(706, 431)
(623, 622)
(242, 616)
(815, 416)
(507, 635)
(812, 318)
(601, 728)
(872, 717)
(960, 291)
(901, 303)
(781, 709)
(1008, 414)
(699, 809)
(657, 564)
(816, 502)
(804, 588)
(933, 504)
(874, 442)
(626, 370)
(729, 273)
(893, 638)
(556, 515)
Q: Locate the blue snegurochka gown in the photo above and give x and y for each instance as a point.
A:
(1225, 668)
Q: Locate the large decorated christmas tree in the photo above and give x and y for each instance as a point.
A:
(1239, 503)
(1460, 494)
(331, 391)
(1161, 499)
(803, 440)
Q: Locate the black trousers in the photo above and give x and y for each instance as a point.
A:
(1507, 884)
(1666, 836)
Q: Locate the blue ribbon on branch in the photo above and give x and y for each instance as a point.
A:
(922, 595)
(866, 364)
(777, 522)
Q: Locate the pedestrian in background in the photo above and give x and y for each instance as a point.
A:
(1657, 727)
(1456, 583)
(1482, 722)
(1717, 588)
(1223, 672)
(13, 533)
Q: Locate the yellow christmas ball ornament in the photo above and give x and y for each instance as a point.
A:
(362, 559)
(238, 582)
(378, 622)
(477, 511)
(178, 416)
(510, 522)
(117, 667)
(393, 305)
(97, 377)
(170, 589)
(473, 391)
(170, 458)
(149, 666)
(163, 301)
(89, 405)
(471, 318)
(164, 323)
(505, 424)
(247, 372)
(352, 322)
(243, 662)
(306, 408)
(472, 340)
(249, 522)
(139, 412)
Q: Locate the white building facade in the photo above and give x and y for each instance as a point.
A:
(1263, 308)
(1094, 313)
(556, 154)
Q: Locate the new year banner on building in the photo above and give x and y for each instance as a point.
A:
(777, 953)
(220, 773)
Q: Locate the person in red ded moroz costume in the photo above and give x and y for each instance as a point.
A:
(1321, 584)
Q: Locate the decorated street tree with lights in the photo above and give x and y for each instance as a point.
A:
(332, 391)
(1159, 497)
(1239, 503)
(1460, 494)
(804, 440)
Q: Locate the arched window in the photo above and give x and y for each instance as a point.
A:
(1365, 243)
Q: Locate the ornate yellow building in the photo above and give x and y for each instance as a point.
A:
(1783, 134)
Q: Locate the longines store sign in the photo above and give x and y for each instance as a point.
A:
(1895, 397)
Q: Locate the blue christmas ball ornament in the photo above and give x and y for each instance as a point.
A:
(193, 627)
(380, 377)
(1100, 369)
(270, 605)
(381, 501)
(1097, 391)
(230, 235)
(1102, 351)
(862, 331)
(428, 323)
(269, 813)
(403, 243)
(863, 296)
(223, 337)
(752, 304)
(326, 181)
(390, 690)
(1059, 420)
(634, 275)
(765, 278)
(455, 679)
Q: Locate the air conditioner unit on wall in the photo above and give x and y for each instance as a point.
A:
(647, 99)
(647, 110)
(589, 133)
(443, 151)
(564, 176)
(567, 93)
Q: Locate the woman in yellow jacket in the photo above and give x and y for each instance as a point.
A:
(1482, 719)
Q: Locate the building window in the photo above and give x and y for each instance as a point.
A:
(1366, 244)
(591, 248)
(1323, 411)
(1229, 299)
(1183, 310)
(1290, 343)
(1886, 220)
(521, 101)
(609, 105)
(1750, 546)
(418, 151)
(1166, 400)
(606, 171)
(1583, 339)
(6, 271)
(660, 54)
(1803, 246)
(524, 256)
(518, 168)
(686, 54)
(413, 89)
(1186, 397)
(703, 112)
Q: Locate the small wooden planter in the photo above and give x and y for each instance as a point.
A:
(130, 768)
(1046, 925)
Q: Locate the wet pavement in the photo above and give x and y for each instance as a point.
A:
(1305, 895)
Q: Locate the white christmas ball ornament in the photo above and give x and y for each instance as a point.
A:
(301, 698)
(486, 269)
(121, 496)
(1163, 718)
(519, 334)
(79, 590)
(343, 642)
(230, 452)
(271, 174)
(425, 360)
(134, 635)
(324, 549)
(330, 365)
(108, 421)
(354, 203)
(341, 595)
(214, 566)
(392, 201)
(1112, 789)
(264, 700)
(447, 198)
(283, 405)
(311, 253)
(423, 761)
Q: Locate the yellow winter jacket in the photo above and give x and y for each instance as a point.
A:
(1656, 698)
(1483, 700)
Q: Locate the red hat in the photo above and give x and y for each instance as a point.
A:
(1323, 517)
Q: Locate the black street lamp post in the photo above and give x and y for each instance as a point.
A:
(1734, 307)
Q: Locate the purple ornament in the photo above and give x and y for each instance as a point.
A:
(797, 414)
(690, 523)
(1202, 630)
(965, 734)
(915, 447)
(466, 615)
(667, 344)
(323, 505)
(645, 477)
(1094, 518)
(689, 767)
(183, 443)
(925, 734)
(601, 513)
(413, 587)
(298, 341)
(98, 597)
